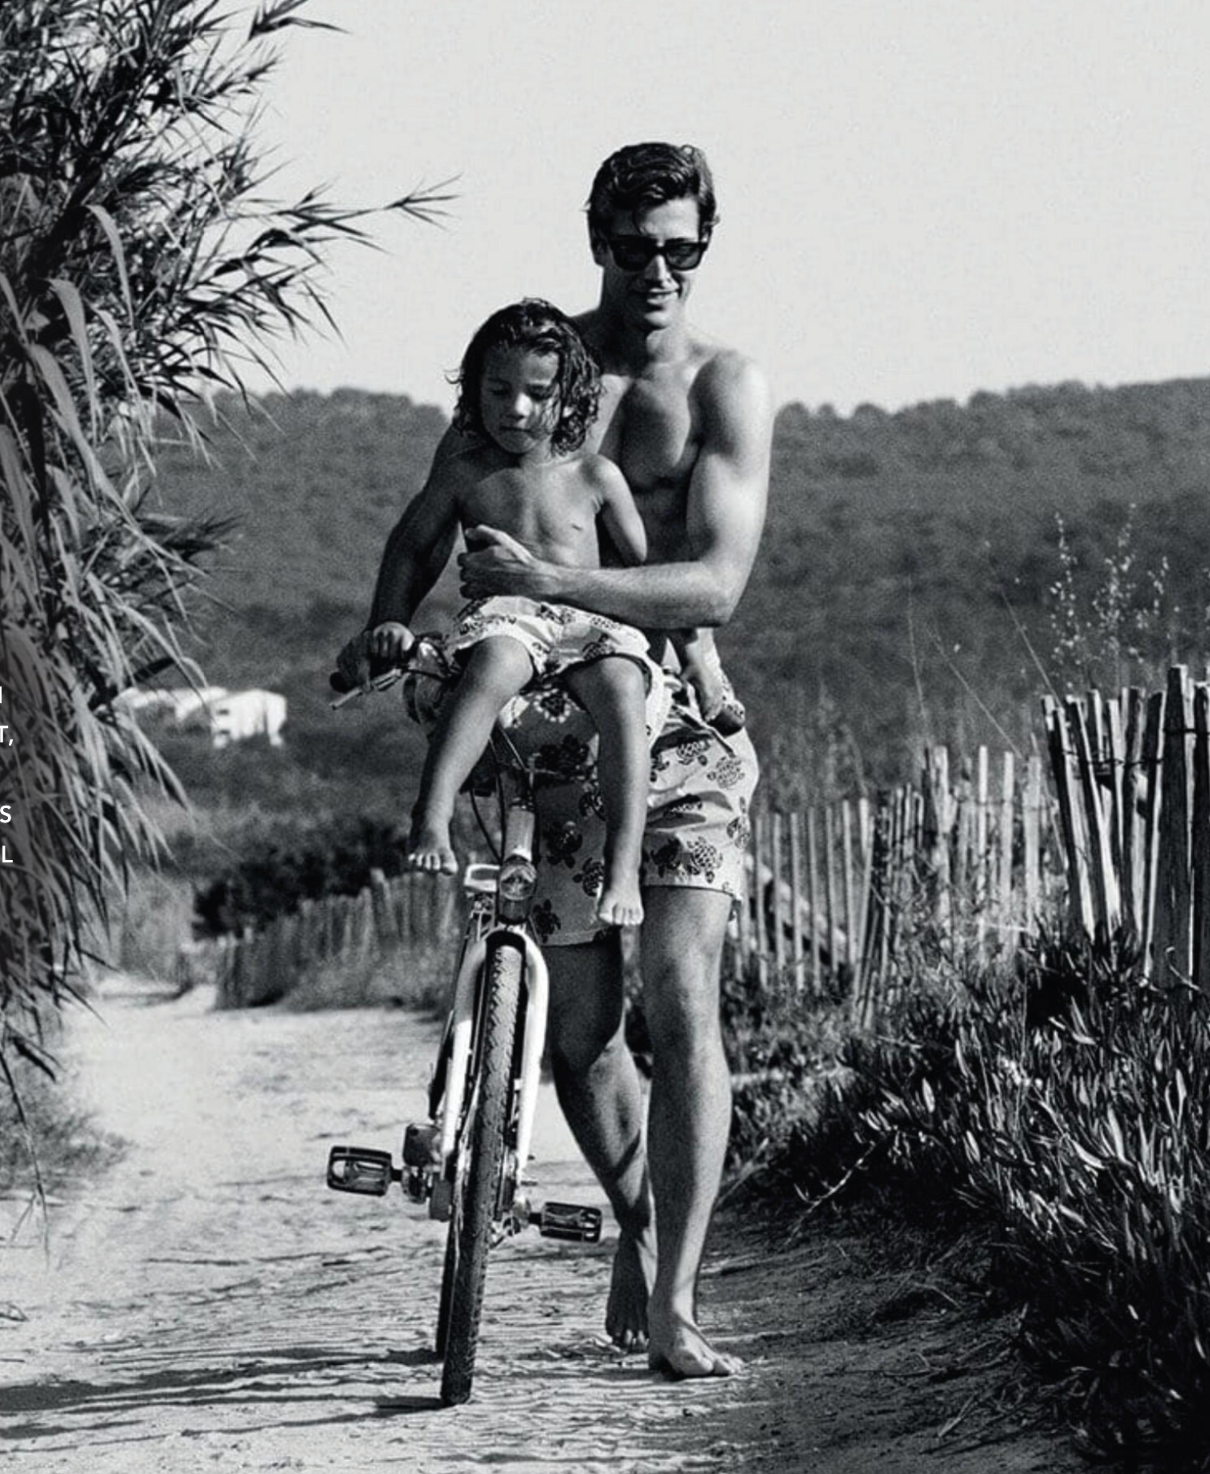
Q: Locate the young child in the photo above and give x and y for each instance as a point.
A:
(528, 390)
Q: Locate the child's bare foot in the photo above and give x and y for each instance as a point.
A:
(430, 848)
(677, 1349)
(620, 903)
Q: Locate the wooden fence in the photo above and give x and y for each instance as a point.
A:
(843, 898)
(1132, 781)
(839, 898)
(387, 917)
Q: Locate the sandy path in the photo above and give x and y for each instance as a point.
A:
(208, 1304)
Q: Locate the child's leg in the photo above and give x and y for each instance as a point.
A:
(497, 669)
(614, 692)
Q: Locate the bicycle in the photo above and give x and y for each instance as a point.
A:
(467, 1160)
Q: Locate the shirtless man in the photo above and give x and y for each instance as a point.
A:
(689, 422)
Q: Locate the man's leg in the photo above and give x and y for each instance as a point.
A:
(689, 1114)
(599, 1090)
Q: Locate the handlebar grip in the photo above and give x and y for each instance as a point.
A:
(378, 669)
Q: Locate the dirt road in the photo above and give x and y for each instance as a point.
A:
(207, 1304)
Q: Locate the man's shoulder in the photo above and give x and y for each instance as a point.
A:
(729, 382)
(719, 365)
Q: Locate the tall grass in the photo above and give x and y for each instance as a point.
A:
(1064, 1105)
(140, 268)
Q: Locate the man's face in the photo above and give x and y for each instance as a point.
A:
(650, 293)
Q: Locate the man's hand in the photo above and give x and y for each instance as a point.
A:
(383, 645)
(495, 563)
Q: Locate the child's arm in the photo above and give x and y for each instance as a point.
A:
(417, 550)
(618, 513)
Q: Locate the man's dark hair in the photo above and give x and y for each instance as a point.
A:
(645, 174)
(536, 327)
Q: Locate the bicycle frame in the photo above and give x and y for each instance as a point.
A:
(487, 880)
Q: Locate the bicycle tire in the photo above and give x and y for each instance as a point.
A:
(478, 1185)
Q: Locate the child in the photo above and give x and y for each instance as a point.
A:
(528, 390)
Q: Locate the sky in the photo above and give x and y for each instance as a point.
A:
(919, 199)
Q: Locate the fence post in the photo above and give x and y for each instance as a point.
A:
(982, 856)
(1172, 874)
(848, 893)
(1173, 930)
(829, 870)
(1004, 879)
(760, 892)
(1070, 814)
(1201, 835)
(935, 838)
(813, 900)
(796, 898)
(1132, 798)
(1100, 850)
(776, 822)
(874, 932)
(1152, 766)
(1031, 838)
(743, 918)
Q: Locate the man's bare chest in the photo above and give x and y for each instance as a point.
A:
(648, 430)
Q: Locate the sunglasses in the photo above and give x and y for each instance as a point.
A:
(635, 252)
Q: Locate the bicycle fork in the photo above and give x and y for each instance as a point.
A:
(430, 1150)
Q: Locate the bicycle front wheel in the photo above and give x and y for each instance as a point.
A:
(477, 1188)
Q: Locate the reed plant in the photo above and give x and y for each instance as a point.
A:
(140, 268)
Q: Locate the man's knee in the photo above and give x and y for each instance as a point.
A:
(582, 1048)
(587, 1006)
(681, 955)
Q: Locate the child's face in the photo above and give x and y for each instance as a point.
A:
(519, 398)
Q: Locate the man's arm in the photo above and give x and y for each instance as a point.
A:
(725, 516)
(417, 550)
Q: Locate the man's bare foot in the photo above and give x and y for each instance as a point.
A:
(677, 1349)
(430, 848)
(620, 903)
(626, 1309)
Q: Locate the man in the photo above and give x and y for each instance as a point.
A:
(689, 423)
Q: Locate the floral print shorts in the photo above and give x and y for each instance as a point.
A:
(557, 638)
(697, 805)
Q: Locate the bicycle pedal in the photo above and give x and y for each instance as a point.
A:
(421, 1145)
(568, 1221)
(360, 1169)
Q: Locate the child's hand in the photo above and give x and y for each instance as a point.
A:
(382, 644)
(390, 642)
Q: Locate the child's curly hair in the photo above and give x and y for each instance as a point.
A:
(538, 327)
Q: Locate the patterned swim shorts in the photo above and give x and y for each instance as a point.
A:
(558, 638)
(697, 804)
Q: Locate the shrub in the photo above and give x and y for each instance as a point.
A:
(1066, 1103)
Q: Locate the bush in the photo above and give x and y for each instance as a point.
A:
(1067, 1104)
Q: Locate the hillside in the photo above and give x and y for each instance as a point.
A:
(907, 571)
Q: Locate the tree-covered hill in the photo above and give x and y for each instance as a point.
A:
(911, 581)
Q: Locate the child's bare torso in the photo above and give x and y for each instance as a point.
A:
(551, 507)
